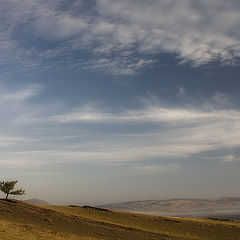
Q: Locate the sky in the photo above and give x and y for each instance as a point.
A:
(106, 101)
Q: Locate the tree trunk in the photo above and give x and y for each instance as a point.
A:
(7, 196)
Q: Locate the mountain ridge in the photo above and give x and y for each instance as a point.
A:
(178, 205)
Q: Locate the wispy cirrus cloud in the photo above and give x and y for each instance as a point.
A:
(160, 132)
(182, 141)
(182, 132)
(119, 66)
(90, 113)
(14, 103)
(151, 169)
(122, 37)
(19, 94)
(229, 158)
(11, 140)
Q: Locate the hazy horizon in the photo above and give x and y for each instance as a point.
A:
(109, 101)
(106, 202)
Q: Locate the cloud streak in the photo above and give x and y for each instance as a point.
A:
(229, 158)
(160, 132)
(150, 113)
(182, 132)
(20, 94)
(173, 133)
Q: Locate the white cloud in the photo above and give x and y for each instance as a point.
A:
(16, 105)
(229, 158)
(181, 92)
(121, 65)
(177, 133)
(160, 132)
(150, 169)
(150, 113)
(197, 32)
(182, 131)
(11, 141)
(20, 94)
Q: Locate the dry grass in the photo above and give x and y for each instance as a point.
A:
(15, 231)
(20, 221)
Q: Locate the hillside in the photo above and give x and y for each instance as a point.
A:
(179, 205)
(21, 221)
(36, 201)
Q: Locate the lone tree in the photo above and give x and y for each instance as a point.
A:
(8, 188)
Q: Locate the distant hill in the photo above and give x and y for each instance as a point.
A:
(37, 201)
(178, 205)
(22, 221)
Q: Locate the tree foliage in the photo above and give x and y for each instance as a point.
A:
(8, 188)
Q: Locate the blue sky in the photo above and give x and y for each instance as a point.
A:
(107, 101)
